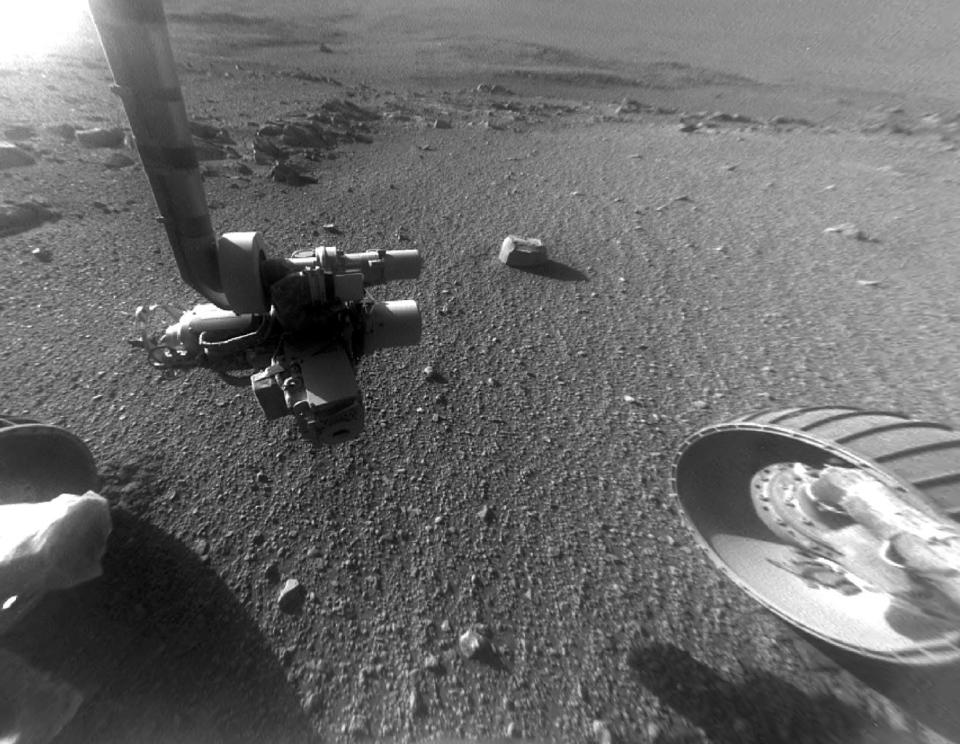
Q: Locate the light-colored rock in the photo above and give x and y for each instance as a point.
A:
(847, 230)
(42, 254)
(475, 643)
(520, 252)
(601, 733)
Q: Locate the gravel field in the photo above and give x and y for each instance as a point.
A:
(525, 485)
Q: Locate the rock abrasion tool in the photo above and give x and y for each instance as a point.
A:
(301, 324)
(841, 521)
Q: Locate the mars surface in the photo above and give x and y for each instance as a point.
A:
(745, 206)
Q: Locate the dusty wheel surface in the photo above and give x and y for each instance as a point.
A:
(38, 462)
(716, 476)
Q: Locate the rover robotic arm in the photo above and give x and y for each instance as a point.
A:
(303, 322)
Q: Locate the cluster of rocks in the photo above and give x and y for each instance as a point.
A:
(289, 144)
(212, 142)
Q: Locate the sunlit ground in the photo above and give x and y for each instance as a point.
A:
(30, 29)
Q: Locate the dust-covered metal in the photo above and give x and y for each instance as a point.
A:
(38, 462)
(839, 520)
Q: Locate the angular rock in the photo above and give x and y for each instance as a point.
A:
(475, 644)
(43, 255)
(290, 175)
(270, 130)
(291, 597)
(272, 572)
(434, 664)
(494, 89)
(305, 135)
(208, 150)
(418, 706)
(486, 514)
(118, 160)
(100, 137)
(210, 132)
(12, 156)
(601, 732)
(522, 252)
(848, 230)
(15, 218)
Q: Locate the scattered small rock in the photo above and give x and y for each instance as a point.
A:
(418, 706)
(516, 251)
(442, 123)
(431, 374)
(100, 137)
(631, 106)
(272, 572)
(210, 132)
(44, 255)
(209, 150)
(118, 160)
(494, 89)
(601, 733)
(848, 230)
(332, 228)
(513, 730)
(357, 728)
(434, 664)
(291, 597)
(475, 643)
(313, 703)
(486, 514)
(290, 175)
(12, 156)
(18, 217)
(785, 121)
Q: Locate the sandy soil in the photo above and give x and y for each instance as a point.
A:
(690, 272)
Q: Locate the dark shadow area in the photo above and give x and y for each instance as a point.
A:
(929, 694)
(555, 270)
(161, 650)
(761, 709)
